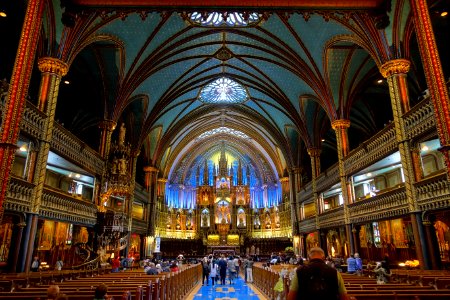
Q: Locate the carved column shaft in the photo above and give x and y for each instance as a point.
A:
(293, 202)
(314, 154)
(107, 127)
(433, 74)
(395, 71)
(341, 129)
(18, 89)
(152, 174)
(52, 70)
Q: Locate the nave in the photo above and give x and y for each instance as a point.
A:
(238, 290)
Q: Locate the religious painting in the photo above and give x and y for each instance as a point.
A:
(45, 240)
(83, 235)
(223, 214)
(333, 243)
(205, 218)
(398, 233)
(312, 240)
(69, 234)
(61, 233)
(241, 218)
(135, 245)
(5, 238)
(385, 232)
(363, 236)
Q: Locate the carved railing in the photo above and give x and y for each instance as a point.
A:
(371, 151)
(332, 218)
(73, 148)
(307, 225)
(32, 121)
(62, 206)
(305, 193)
(420, 119)
(139, 226)
(18, 197)
(328, 178)
(387, 205)
(433, 192)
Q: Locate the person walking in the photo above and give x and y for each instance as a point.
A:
(249, 270)
(317, 280)
(351, 264)
(359, 265)
(206, 270)
(223, 270)
(231, 267)
(213, 274)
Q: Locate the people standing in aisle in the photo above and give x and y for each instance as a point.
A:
(231, 269)
(237, 261)
(35, 264)
(222, 269)
(59, 264)
(359, 265)
(245, 267)
(206, 269)
(214, 268)
(317, 280)
(351, 264)
(249, 270)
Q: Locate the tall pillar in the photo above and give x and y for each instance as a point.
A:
(107, 127)
(151, 173)
(433, 74)
(432, 243)
(314, 154)
(340, 127)
(134, 156)
(18, 89)
(15, 246)
(293, 201)
(395, 72)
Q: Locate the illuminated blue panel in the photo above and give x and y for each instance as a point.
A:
(232, 19)
(223, 90)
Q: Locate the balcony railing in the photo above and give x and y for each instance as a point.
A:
(332, 217)
(387, 205)
(19, 195)
(307, 225)
(433, 192)
(59, 205)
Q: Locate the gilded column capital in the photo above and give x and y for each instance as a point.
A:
(53, 65)
(150, 169)
(109, 125)
(314, 151)
(395, 66)
(284, 179)
(340, 124)
(162, 180)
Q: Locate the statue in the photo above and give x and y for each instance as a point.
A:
(122, 131)
(205, 220)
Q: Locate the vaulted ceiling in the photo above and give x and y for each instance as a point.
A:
(302, 64)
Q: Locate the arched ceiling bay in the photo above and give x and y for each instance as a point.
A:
(156, 62)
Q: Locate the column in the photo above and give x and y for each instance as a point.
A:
(18, 89)
(151, 173)
(293, 201)
(133, 158)
(432, 243)
(340, 127)
(433, 74)
(323, 240)
(314, 154)
(107, 127)
(15, 246)
(395, 72)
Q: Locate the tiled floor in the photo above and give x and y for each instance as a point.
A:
(236, 291)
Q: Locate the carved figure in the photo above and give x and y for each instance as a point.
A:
(122, 132)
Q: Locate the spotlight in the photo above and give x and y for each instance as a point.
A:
(66, 82)
(3, 14)
(379, 81)
(444, 13)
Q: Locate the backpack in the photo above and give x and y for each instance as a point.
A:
(125, 263)
(317, 281)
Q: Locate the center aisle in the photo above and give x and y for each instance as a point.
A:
(238, 290)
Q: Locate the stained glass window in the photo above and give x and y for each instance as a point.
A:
(225, 130)
(215, 19)
(223, 90)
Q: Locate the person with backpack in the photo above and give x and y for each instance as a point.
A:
(206, 269)
(316, 280)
